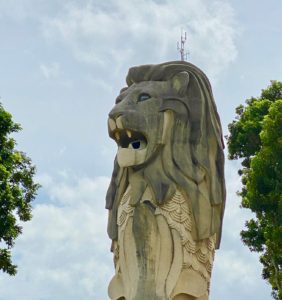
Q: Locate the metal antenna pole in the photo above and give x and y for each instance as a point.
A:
(181, 47)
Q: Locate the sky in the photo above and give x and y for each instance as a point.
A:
(62, 64)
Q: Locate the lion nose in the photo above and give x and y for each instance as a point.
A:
(114, 114)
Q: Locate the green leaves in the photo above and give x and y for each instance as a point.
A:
(244, 139)
(17, 189)
(5, 262)
(256, 137)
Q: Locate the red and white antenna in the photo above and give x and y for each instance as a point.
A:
(181, 47)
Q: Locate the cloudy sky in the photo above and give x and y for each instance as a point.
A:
(62, 63)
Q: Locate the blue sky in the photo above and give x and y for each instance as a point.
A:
(62, 64)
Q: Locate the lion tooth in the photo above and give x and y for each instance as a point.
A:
(117, 136)
(112, 124)
(119, 122)
(129, 134)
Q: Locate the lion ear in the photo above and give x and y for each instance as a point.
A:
(180, 82)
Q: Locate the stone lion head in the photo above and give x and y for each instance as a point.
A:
(169, 137)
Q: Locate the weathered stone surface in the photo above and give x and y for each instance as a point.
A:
(167, 193)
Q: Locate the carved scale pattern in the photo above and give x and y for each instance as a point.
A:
(197, 255)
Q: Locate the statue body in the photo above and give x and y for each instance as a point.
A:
(167, 193)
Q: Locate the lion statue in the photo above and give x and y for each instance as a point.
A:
(167, 193)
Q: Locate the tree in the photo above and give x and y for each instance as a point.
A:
(17, 190)
(256, 138)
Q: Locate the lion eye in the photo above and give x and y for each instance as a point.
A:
(143, 97)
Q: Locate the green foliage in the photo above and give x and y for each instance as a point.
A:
(17, 190)
(256, 137)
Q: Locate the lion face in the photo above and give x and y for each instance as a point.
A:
(136, 123)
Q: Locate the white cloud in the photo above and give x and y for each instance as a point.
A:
(134, 32)
(235, 217)
(64, 252)
(237, 274)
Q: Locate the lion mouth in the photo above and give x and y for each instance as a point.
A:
(129, 139)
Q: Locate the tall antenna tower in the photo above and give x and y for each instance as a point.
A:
(181, 47)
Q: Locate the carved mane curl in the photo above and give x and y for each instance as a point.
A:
(193, 159)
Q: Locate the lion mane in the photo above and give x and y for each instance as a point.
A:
(192, 160)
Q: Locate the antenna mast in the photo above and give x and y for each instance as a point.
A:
(181, 48)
